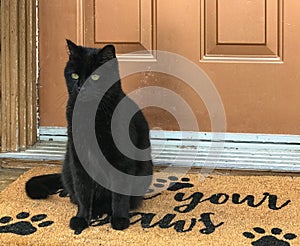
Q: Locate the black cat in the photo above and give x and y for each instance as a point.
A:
(92, 199)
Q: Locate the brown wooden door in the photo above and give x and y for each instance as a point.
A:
(248, 48)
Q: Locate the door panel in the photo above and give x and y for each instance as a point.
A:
(109, 22)
(248, 30)
(232, 22)
(112, 22)
(249, 49)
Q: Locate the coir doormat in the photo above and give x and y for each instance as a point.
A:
(221, 210)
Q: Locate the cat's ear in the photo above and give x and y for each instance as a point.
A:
(108, 52)
(73, 48)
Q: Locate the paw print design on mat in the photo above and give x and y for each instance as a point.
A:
(176, 185)
(172, 184)
(22, 227)
(270, 240)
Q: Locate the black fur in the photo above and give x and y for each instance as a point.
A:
(42, 186)
(92, 199)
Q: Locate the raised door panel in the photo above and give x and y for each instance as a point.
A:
(242, 30)
(236, 16)
(112, 21)
(129, 25)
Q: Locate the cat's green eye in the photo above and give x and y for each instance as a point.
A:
(95, 77)
(75, 76)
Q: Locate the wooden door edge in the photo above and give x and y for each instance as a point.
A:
(18, 75)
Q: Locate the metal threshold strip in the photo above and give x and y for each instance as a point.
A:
(189, 149)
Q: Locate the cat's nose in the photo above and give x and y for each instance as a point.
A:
(79, 85)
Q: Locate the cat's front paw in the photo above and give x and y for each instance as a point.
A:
(119, 223)
(78, 224)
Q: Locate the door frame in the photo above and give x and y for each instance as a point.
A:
(18, 74)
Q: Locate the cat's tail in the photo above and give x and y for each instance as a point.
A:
(40, 187)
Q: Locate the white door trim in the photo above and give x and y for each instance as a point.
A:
(237, 151)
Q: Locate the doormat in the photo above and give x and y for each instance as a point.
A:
(220, 210)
